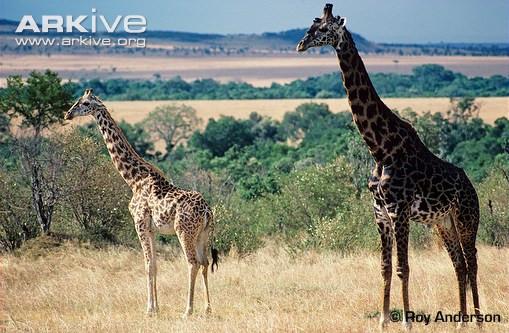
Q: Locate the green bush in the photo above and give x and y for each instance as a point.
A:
(95, 208)
(17, 219)
(494, 203)
(422, 236)
(351, 229)
(317, 207)
(237, 226)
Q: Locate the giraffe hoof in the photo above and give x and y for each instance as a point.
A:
(384, 321)
(152, 311)
(208, 309)
(187, 313)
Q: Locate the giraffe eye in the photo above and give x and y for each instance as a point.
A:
(86, 103)
(323, 29)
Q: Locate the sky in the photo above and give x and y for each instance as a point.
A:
(388, 21)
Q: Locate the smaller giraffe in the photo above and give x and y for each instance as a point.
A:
(156, 205)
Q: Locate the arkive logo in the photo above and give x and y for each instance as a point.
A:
(133, 24)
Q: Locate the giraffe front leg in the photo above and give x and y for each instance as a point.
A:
(151, 270)
(385, 230)
(401, 231)
(148, 242)
(386, 261)
(153, 306)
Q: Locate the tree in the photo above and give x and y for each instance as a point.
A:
(172, 124)
(361, 162)
(429, 127)
(265, 128)
(40, 102)
(137, 137)
(4, 128)
(42, 167)
(297, 123)
(219, 136)
(462, 110)
(462, 123)
(430, 78)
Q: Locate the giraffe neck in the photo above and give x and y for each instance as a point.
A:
(129, 164)
(379, 127)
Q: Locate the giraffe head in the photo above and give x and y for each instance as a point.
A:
(328, 30)
(85, 105)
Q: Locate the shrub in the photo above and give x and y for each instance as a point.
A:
(97, 200)
(351, 229)
(317, 207)
(17, 219)
(494, 204)
(237, 226)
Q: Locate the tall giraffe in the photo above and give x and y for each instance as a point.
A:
(408, 183)
(157, 206)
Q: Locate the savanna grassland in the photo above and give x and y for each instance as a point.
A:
(260, 70)
(294, 225)
(76, 288)
(490, 108)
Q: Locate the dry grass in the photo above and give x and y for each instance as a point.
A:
(257, 70)
(75, 289)
(491, 108)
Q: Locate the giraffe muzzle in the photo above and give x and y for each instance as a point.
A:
(68, 115)
(303, 44)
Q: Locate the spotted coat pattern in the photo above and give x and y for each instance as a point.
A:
(408, 183)
(157, 206)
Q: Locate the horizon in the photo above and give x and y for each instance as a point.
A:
(290, 29)
(234, 17)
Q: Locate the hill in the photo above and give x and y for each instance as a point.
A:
(177, 43)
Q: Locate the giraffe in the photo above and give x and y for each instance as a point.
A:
(157, 206)
(408, 183)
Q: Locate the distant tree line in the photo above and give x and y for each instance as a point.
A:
(449, 49)
(301, 181)
(185, 44)
(425, 81)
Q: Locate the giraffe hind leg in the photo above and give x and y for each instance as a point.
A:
(447, 231)
(188, 243)
(202, 247)
(201, 252)
(466, 226)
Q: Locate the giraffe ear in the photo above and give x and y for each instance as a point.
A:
(341, 21)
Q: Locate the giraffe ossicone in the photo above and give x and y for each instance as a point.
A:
(408, 183)
(157, 206)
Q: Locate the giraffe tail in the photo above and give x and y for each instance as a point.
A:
(215, 256)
